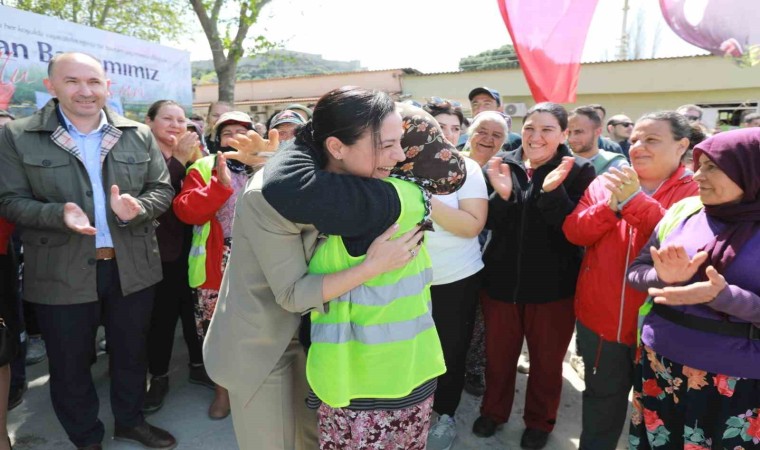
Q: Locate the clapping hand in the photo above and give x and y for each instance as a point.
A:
(622, 183)
(124, 206)
(558, 175)
(500, 177)
(222, 171)
(249, 146)
(692, 294)
(186, 147)
(77, 220)
(673, 265)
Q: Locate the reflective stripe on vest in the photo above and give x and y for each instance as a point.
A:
(379, 340)
(196, 269)
(340, 333)
(382, 295)
(677, 213)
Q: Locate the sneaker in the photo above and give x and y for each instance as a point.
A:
(154, 398)
(199, 376)
(16, 395)
(523, 364)
(441, 435)
(474, 385)
(576, 362)
(35, 350)
(534, 439)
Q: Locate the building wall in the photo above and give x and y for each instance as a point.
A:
(271, 90)
(628, 87)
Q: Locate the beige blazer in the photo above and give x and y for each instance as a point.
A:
(264, 292)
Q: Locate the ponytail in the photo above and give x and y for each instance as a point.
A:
(305, 136)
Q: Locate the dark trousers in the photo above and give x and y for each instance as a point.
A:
(69, 334)
(454, 315)
(174, 300)
(605, 400)
(548, 328)
(12, 313)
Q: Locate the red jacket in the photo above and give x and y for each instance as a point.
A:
(6, 230)
(196, 204)
(604, 302)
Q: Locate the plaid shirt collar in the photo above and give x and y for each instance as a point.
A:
(62, 138)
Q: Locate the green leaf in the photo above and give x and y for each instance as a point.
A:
(687, 431)
(735, 422)
(731, 433)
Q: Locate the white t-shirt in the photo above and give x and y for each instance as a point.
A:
(455, 258)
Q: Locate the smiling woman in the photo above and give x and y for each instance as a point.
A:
(538, 185)
(700, 269)
(488, 132)
(613, 221)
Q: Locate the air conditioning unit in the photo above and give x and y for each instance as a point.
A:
(254, 108)
(516, 109)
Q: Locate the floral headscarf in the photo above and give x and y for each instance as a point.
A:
(431, 161)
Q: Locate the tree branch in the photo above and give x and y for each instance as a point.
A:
(211, 31)
(106, 11)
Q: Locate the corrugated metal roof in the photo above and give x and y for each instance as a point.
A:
(406, 70)
(582, 64)
(269, 101)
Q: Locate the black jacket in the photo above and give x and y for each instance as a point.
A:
(529, 260)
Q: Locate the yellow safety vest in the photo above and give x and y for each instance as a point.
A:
(379, 339)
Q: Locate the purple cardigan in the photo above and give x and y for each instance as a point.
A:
(714, 353)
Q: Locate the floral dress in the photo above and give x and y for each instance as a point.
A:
(718, 411)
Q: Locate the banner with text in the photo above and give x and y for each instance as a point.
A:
(140, 72)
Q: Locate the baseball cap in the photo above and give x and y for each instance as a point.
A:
(232, 117)
(286, 116)
(300, 107)
(493, 93)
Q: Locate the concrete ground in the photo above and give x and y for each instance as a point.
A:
(34, 426)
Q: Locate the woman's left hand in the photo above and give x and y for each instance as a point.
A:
(558, 175)
(691, 294)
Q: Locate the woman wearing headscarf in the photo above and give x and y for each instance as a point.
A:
(207, 201)
(613, 221)
(699, 358)
(530, 272)
(375, 355)
(250, 346)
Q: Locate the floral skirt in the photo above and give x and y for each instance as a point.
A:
(678, 407)
(401, 429)
(476, 354)
(205, 299)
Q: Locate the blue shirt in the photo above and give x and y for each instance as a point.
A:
(89, 147)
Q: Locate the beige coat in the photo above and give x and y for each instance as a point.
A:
(264, 292)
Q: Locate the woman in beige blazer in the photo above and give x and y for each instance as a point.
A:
(251, 347)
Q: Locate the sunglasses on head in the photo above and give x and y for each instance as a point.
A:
(691, 118)
(625, 124)
(443, 103)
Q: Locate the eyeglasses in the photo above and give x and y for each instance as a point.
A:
(625, 124)
(442, 103)
(691, 118)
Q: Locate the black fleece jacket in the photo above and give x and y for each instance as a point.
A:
(529, 260)
(358, 209)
